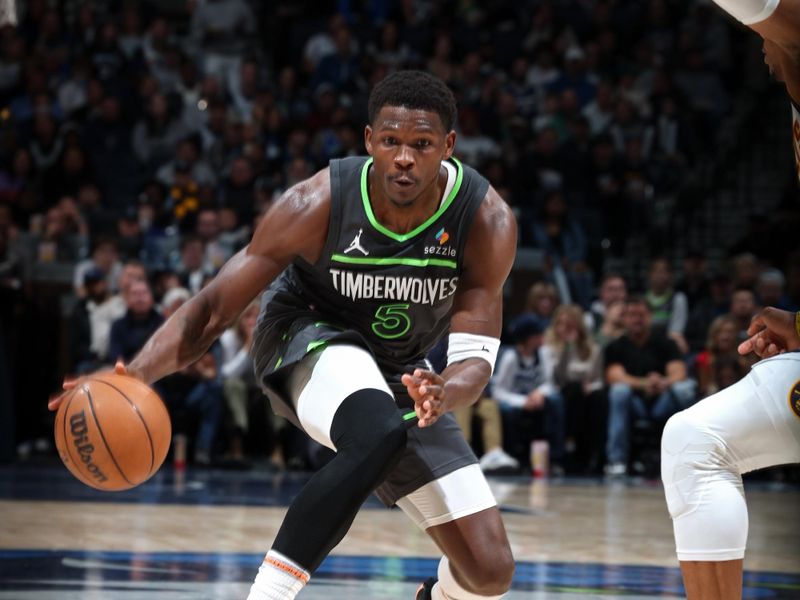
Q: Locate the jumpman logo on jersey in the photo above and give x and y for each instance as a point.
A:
(356, 244)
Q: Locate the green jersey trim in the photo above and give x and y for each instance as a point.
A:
(407, 262)
(407, 236)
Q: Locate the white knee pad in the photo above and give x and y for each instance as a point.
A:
(749, 11)
(704, 492)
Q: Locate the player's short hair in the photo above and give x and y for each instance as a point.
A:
(415, 90)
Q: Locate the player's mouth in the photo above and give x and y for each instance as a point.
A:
(403, 182)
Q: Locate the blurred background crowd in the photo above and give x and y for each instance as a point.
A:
(641, 145)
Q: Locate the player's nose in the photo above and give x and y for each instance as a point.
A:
(404, 159)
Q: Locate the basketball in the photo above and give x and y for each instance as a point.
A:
(112, 431)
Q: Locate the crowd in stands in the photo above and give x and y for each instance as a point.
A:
(139, 149)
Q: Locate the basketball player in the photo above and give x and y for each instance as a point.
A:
(754, 423)
(369, 263)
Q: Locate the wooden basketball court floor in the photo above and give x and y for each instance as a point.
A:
(201, 535)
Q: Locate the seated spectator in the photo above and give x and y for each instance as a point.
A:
(157, 133)
(188, 158)
(647, 379)
(494, 459)
(542, 300)
(564, 243)
(208, 230)
(192, 267)
(612, 289)
(743, 307)
(129, 334)
(770, 290)
(522, 385)
(194, 392)
(104, 258)
(578, 373)
(668, 307)
(112, 309)
(86, 349)
(613, 325)
(241, 390)
(721, 345)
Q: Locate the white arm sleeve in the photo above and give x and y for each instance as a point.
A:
(749, 11)
(462, 346)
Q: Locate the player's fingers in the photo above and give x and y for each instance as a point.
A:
(55, 401)
(119, 368)
(757, 322)
(69, 383)
(426, 374)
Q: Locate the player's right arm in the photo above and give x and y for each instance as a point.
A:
(296, 226)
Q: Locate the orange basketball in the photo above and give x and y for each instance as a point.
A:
(112, 431)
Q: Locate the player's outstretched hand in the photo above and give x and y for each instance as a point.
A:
(69, 385)
(426, 389)
(771, 332)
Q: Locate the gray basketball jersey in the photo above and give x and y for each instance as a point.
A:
(390, 292)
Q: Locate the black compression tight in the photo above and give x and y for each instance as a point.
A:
(369, 435)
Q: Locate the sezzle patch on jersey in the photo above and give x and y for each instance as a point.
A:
(417, 290)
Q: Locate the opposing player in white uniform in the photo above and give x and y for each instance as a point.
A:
(754, 423)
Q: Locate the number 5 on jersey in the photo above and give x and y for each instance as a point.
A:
(392, 321)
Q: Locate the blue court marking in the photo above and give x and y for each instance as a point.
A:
(27, 569)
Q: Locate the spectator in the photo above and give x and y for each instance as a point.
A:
(564, 244)
(196, 391)
(578, 374)
(743, 307)
(647, 379)
(236, 191)
(188, 158)
(82, 345)
(222, 30)
(494, 459)
(192, 266)
(105, 258)
(600, 111)
(612, 326)
(695, 282)
(130, 238)
(721, 346)
(523, 385)
(141, 319)
(157, 134)
(542, 300)
(770, 290)
(745, 270)
(668, 307)
(612, 289)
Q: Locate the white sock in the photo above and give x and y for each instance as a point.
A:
(278, 579)
(447, 588)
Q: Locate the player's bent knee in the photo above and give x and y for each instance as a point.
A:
(689, 454)
(368, 423)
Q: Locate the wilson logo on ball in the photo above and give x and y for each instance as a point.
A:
(80, 429)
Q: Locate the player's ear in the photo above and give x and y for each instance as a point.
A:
(449, 144)
(368, 139)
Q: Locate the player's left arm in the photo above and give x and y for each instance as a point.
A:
(477, 315)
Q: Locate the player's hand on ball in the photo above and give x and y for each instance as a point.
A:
(426, 389)
(771, 332)
(69, 385)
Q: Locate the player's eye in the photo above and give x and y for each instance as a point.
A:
(423, 143)
(389, 141)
